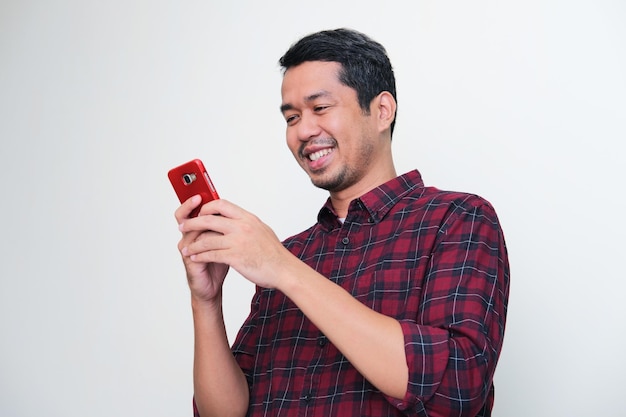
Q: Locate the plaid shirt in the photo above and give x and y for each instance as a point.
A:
(434, 260)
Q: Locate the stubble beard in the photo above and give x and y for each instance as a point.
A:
(334, 183)
(346, 176)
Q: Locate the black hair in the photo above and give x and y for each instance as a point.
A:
(365, 65)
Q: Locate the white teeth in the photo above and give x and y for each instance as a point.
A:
(317, 155)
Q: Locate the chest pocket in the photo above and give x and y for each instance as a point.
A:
(392, 292)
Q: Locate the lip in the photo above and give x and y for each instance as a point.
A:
(320, 162)
(311, 149)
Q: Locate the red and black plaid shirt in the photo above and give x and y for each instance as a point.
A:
(434, 260)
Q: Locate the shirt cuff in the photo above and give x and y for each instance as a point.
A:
(427, 354)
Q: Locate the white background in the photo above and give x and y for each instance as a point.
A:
(520, 102)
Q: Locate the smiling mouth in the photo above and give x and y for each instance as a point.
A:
(317, 155)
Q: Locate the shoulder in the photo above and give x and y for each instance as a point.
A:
(435, 198)
(457, 200)
(443, 207)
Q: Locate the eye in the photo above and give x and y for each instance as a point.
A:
(320, 108)
(291, 119)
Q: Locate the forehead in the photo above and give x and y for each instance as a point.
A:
(310, 77)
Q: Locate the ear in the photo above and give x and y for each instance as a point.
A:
(385, 110)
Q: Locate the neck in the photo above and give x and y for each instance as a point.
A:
(341, 199)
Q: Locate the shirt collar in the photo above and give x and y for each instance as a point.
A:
(374, 205)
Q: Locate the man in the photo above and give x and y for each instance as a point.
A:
(393, 303)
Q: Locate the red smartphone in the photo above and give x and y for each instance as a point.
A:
(190, 179)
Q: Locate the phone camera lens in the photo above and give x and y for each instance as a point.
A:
(189, 178)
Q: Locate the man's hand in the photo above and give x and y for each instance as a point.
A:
(205, 278)
(228, 393)
(238, 239)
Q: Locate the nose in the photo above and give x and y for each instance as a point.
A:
(308, 127)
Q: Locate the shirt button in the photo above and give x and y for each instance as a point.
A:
(321, 341)
(345, 240)
(306, 398)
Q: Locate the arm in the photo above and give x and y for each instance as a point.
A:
(360, 333)
(220, 388)
(454, 345)
(255, 252)
(443, 359)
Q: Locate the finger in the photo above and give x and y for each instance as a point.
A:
(205, 242)
(182, 213)
(207, 222)
(185, 241)
(223, 208)
(210, 257)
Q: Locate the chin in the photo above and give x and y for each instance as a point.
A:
(332, 184)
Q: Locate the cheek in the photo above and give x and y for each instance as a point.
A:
(292, 141)
(332, 126)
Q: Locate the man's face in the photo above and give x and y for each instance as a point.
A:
(330, 136)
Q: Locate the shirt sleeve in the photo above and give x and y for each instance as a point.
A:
(245, 344)
(453, 345)
(195, 409)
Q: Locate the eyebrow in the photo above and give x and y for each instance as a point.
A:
(307, 99)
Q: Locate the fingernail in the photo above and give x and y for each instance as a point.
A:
(184, 251)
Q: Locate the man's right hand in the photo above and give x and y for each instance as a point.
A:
(205, 279)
